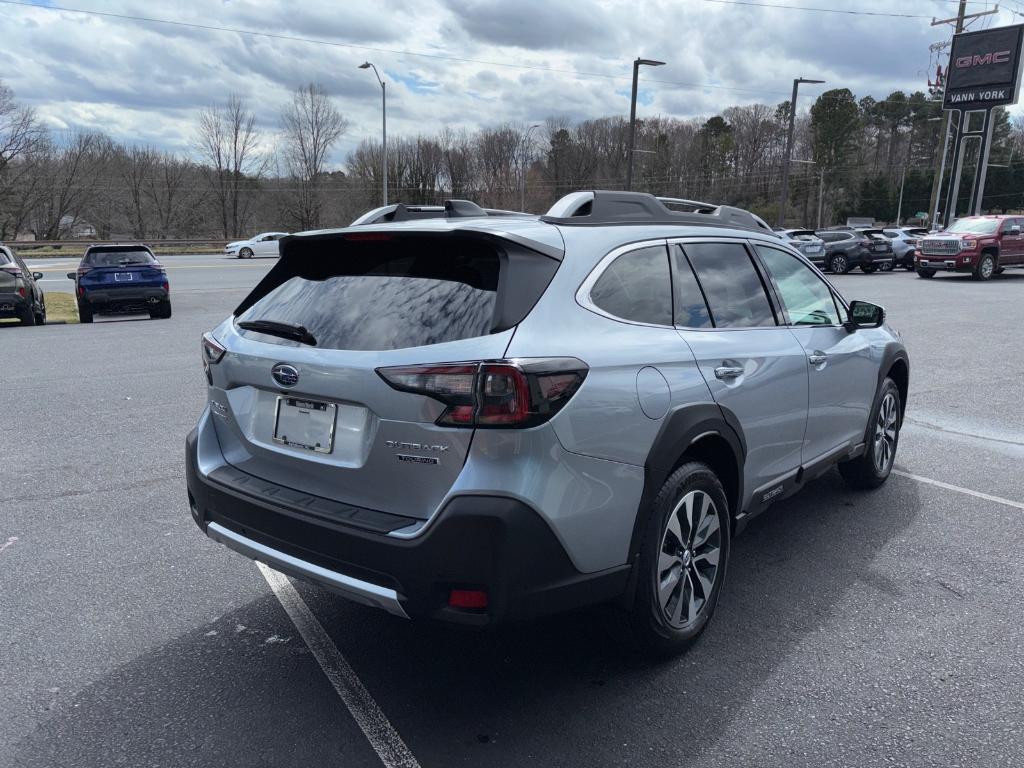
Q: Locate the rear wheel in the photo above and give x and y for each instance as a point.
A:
(84, 312)
(840, 265)
(926, 273)
(872, 468)
(161, 311)
(682, 562)
(887, 266)
(986, 267)
(28, 317)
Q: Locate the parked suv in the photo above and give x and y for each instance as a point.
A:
(904, 242)
(121, 278)
(477, 418)
(846, 249)
(807, 243)
(20, 294)
(981, 245)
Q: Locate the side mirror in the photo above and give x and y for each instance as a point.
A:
(864, 314)
(37, 275)
(72, 275)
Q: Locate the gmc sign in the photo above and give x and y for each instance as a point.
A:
(984, 68)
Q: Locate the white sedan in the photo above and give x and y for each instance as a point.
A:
(265, 244)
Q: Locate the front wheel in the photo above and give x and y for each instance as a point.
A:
(682, 562)
(926, 273)
(986, 267)
(839, 265)
(872, 468)
(868, 269)
(887, 266)
(245, 253)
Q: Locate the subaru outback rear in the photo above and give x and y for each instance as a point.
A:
(345, 395)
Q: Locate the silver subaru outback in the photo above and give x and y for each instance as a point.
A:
(477, 416)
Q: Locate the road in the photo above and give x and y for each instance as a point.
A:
(862, 629)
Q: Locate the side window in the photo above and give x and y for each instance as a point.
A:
(636, 286)
(890, 233)
(806, 298)
(828, 237)
(735, 294)
(691, 309)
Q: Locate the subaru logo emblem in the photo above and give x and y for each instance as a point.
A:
(285, 375)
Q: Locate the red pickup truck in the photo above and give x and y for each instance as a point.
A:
(981, 245)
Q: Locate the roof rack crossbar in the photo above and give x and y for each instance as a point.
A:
(451, 209)
(609, 208)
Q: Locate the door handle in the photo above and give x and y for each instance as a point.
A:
(728, 372)
(817, 358)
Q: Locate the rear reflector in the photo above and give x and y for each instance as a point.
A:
(467, 598)
(503, 393)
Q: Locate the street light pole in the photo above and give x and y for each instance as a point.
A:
(526, 160)
(384, 123)
(784, 195)
(632, 116)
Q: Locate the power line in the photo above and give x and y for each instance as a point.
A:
(820, 10)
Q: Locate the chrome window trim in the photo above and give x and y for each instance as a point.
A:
(583, 292)
(746, 242)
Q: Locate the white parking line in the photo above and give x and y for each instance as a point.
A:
(368, 716)
(958, 489)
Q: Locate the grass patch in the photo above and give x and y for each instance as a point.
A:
(61, 306)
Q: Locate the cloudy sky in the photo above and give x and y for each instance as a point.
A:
(458, 63)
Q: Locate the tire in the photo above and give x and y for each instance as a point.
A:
(926, 273)
(873, 468)
(245, 253)
(985, 268)
(688, 578)
(868, 269)
(839, 264)
(84, 312)
(161, 311)
(28, 317)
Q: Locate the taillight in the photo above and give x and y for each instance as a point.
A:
(21, 291)
(212, 354)
(502, 393)
(83, 270)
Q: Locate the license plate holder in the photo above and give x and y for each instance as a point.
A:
(123, 277)
(306, 424)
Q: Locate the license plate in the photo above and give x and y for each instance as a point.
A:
(880, 248)
(306, 424)
(813, 249)
(122, 277)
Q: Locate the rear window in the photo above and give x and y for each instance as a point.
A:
(637, 286)
(118, 257)
(398, 292)
(4, 258)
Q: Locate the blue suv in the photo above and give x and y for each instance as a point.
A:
(121, 278)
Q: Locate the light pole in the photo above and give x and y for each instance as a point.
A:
(784, 195)
(632, 115)
(384, 122)
(526, 160)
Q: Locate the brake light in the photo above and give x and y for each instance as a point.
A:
(21, 291)
(469, 599)
(212, 350)
(502, 393)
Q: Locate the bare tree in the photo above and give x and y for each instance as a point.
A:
(22, 137)
(73, 173)
(229, 142)
(312, 126)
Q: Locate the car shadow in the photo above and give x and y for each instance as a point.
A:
(559, 688)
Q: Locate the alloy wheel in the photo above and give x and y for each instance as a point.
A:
(987, 267)
(839, 265)
(688, 560)
(885, 433)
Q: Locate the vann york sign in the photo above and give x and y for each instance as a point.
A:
(984, 68)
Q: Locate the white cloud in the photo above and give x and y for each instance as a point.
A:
(145, 82)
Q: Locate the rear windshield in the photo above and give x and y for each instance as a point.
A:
(396, 293)
(802, 234)
(118, 257)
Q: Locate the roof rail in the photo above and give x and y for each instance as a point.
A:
(610, 208)
(452, 209)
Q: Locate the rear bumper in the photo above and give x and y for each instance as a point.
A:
(12, 304)
(491, 543)
(120, 299)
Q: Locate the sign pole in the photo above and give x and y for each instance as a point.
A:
(981, 172)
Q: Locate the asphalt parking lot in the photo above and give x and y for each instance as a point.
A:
(878, 628)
